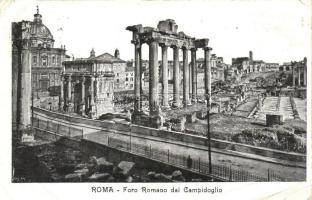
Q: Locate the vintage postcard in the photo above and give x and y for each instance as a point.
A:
(183, 99)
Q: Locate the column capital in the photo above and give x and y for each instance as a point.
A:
(185, 48)
(69, 76)
(164, 45)
(83, 79)
(151, 40)
(176, 46)
(207, 48)
(193, 49)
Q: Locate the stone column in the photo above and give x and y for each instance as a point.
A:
(24, 90)
(69, 94)
(61, 97)
(176, 77)
(153, 78)
(194, 75)
(299, 76)
(82, 102)
(293, 75)
(186, 74)
(137, 78)
(69, 83)
(208, 74)
(164, 49)
(92, 104)
(305, 71)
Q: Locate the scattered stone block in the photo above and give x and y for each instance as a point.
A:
(81, 166)
(197, 180)
(110, 179)
(104, 166)
(75, 177)
(126, 167)
(65, 168)
(177, 176)
(84, 173)
(129, 179)
(151, 174)
(99, 177)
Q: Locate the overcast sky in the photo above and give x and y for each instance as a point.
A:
(275, 31)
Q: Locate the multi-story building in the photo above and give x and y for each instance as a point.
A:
(46, 61)
(129, 80)
(119, 68)
(245, 65)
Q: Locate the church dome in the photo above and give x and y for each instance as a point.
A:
(39, 33)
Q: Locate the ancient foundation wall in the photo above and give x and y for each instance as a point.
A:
(180, 137)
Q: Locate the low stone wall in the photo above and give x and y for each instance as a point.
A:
(220, 144)
(182, 137)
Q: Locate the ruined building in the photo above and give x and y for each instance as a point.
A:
(87, 86)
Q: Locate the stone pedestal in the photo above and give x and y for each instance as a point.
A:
(92, 113)
(142, 119)
(82, 109)
(70, 107)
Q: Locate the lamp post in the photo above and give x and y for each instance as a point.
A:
(208, 134)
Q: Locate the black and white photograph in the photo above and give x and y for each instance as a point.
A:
(157, 97)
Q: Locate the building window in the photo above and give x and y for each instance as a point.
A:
(34, 60)
(53, 59)
(117, 80)
(126, 78)
(131, 74)
(131, 79)
(44, 84)
(117, 75)
(44, 62)
(107, 94)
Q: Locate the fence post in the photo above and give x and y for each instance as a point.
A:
(230, 179)
(268, 175)
(150, 151)
(168, 155)
(199, 164)
(82, 133)
(58, 128)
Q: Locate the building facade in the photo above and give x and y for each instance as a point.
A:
(119, 68)
(88, 85)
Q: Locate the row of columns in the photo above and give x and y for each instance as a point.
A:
(67, 98)
(189, 83)
(297, 75)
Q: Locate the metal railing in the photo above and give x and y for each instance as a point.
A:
(58, 128)
(219, 172)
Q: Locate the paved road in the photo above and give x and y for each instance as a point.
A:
(254, 166)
